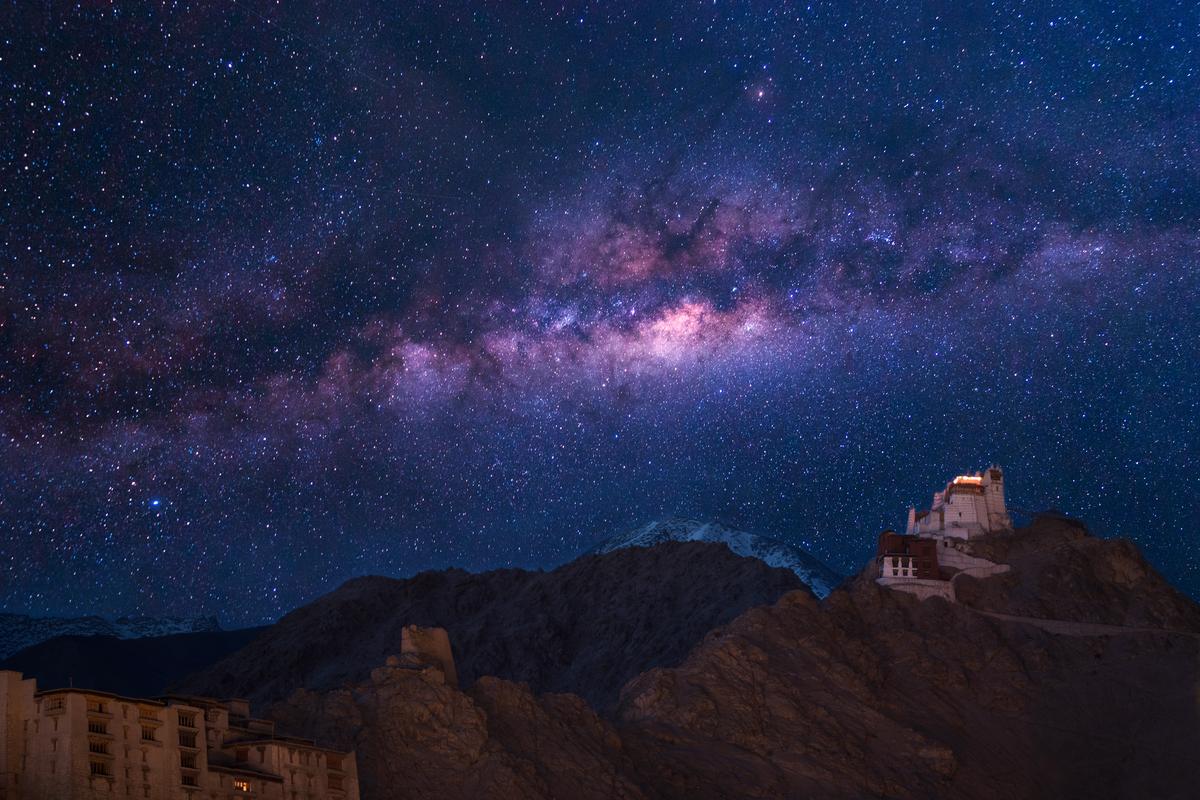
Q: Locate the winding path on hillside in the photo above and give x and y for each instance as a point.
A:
(1069, 628)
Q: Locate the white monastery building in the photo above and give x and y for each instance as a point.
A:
(935, 548)
(970, 505)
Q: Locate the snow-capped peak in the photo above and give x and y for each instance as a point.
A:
(820, 578)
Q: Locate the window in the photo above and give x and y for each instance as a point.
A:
(95, 726)
(335, 762)
(242, 755)
(190, 780)
(187, 738)
(98, 747)
(187, 719)
(55, 704)
(99, 768)
(97, 707)
(187, 760)
(241, 786)
(148, 734)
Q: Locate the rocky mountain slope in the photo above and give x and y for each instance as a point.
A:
(818, 577)
(586, 627)
(870, 693)
(18, 631)
(140, 667)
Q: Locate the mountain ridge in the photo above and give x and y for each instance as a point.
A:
(20, 631)
(585, 627)
(772, 551)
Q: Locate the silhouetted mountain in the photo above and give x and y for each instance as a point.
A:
(18, 631)
(142, 667)
(1074, 675)
(586, 627)
(818, 577)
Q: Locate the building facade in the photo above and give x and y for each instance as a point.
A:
(64, 744)
(935, 548)
(970, 505)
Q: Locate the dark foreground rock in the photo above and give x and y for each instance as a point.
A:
(869, 694)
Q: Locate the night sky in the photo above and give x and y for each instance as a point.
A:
(293, 292)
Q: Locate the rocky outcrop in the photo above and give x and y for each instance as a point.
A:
(871, 693)
(586, 627)
(1060, 572)
(417, 736)
(879, 694)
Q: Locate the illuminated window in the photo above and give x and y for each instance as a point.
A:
(241, 786)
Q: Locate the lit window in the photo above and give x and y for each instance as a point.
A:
(241, 786)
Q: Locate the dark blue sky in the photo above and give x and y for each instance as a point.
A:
(294, 293)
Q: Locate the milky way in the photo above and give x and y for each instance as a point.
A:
(295, 293)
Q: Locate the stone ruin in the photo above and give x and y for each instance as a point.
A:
(425, 648)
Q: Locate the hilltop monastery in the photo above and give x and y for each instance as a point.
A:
(934, 550)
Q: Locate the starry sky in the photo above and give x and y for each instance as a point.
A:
(293, 292)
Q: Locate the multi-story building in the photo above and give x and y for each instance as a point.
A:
(69, 744)
(970, 505)
(936, 547)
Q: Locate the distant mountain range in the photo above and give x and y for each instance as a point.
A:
(818, 577)
(18, 631)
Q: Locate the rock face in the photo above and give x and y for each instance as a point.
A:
(871, 693)
(815, 575)
(586, 627)
(18, 631)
